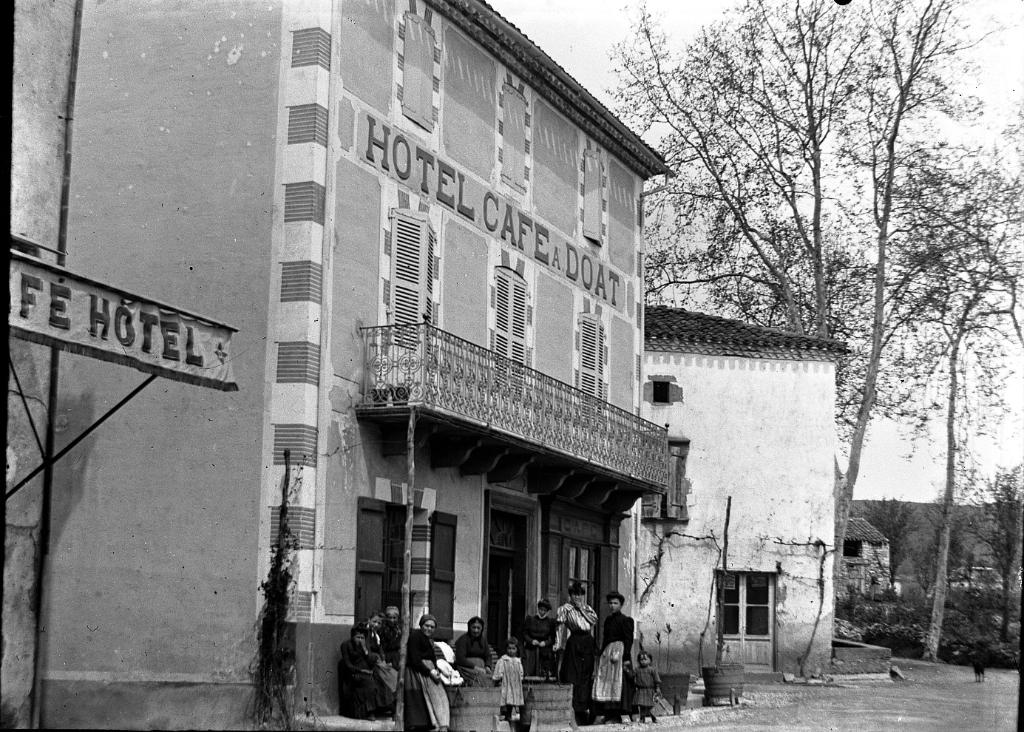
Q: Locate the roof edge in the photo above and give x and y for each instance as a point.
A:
(526, 59)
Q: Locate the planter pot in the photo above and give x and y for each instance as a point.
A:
(675, 690)
(548, 707)
(473, 707)
(723, 684)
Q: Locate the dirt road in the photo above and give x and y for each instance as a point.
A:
(933, 697)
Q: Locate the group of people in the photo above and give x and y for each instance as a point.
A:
(604, 684)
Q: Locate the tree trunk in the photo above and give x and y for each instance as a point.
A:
(1015, 562)
(931, 652)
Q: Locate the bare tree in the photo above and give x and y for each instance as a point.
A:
(794, 128)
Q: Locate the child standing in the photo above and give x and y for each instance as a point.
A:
(648, 686)
(509, 671)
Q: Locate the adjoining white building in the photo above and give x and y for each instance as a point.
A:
(750, 415)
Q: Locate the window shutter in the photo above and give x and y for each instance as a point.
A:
(418, 72)
(591, 374)
(370, 528)
(592, 196)
(442, 571)
(510, 306)
(651, 505)
(412, 267)
(678, 484)
(513, 137)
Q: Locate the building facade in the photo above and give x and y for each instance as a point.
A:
(750, 417)
(865, 568)
(428, 236)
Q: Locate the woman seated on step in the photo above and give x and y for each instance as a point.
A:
(473, 657)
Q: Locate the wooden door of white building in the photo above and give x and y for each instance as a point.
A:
(749, 619)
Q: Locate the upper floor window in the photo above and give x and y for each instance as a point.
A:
(511, 313)
(592, 196)
(418, 71)
(660, 392)
(853, 548)
(412, 267)
(673, 504)
(592, 350)
(513, 138)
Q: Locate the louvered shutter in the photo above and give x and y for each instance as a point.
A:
(591, 374)
(418, 71)
(651, 505)
(412, 267)
(678, 483)
(592, 196)
(510, 307)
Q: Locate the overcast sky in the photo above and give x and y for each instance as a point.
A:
(580, 34)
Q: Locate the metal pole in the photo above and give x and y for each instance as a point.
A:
(410, 446)
(47, 492)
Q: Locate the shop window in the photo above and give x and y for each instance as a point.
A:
(380, 544)
(442, 571)
(592, 196)
(673, 504)
(513, 138)
(510, 315)
(418, 72)
(590, 376)
(412, 267)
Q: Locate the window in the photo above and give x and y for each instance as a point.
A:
(513, 138)
(412, 268)
(673, 504)
(592, 198)
(590, 376)
(418, 72)
(660, 392)
(510, 315)
(852, 548)
(380, 537)
(746, 600)
(581, 567)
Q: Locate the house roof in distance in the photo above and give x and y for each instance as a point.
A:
(525, 59)
(674, 329)
(858, 529)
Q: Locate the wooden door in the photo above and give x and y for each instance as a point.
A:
(749, 620)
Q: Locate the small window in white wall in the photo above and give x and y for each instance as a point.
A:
(510, 315)
(590, 376)
(412, 268)
(418, 71)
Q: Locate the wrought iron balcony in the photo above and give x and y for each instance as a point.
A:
(443, 375)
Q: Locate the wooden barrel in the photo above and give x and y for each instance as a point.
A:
(548, 707)
(721, 684)
(473, 708)
(675, 689)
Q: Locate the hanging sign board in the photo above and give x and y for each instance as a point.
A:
(54, 307)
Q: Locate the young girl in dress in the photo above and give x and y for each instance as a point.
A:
(648, 686)
(509, 671)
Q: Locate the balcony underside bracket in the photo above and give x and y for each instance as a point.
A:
(546, 482)
(598, 492)
(621, 500)
(483, 459)
(511, 467)
(452, 452)
(575, 486)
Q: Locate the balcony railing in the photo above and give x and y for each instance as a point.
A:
(420, 365)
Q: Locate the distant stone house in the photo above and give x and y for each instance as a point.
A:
(865, 569)
(749, 412)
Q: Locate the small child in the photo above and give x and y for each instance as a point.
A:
(648, 686)
(509, 671)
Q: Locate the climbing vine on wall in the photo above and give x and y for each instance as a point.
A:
(273, 668)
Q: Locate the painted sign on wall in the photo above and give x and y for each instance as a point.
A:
(397, 155)
(54, 307)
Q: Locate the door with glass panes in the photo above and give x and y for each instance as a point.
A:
(749, 619)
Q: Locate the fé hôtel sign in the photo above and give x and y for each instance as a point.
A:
(52, 306)
(392, 152)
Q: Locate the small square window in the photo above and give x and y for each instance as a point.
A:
(660, 395)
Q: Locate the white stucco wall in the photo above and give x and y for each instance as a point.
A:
(762, 432)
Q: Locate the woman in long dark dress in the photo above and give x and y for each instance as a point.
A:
(538, 642)
(426, 704)
(473, 655)
(358, 688)
(612, 689)
(575, 638)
